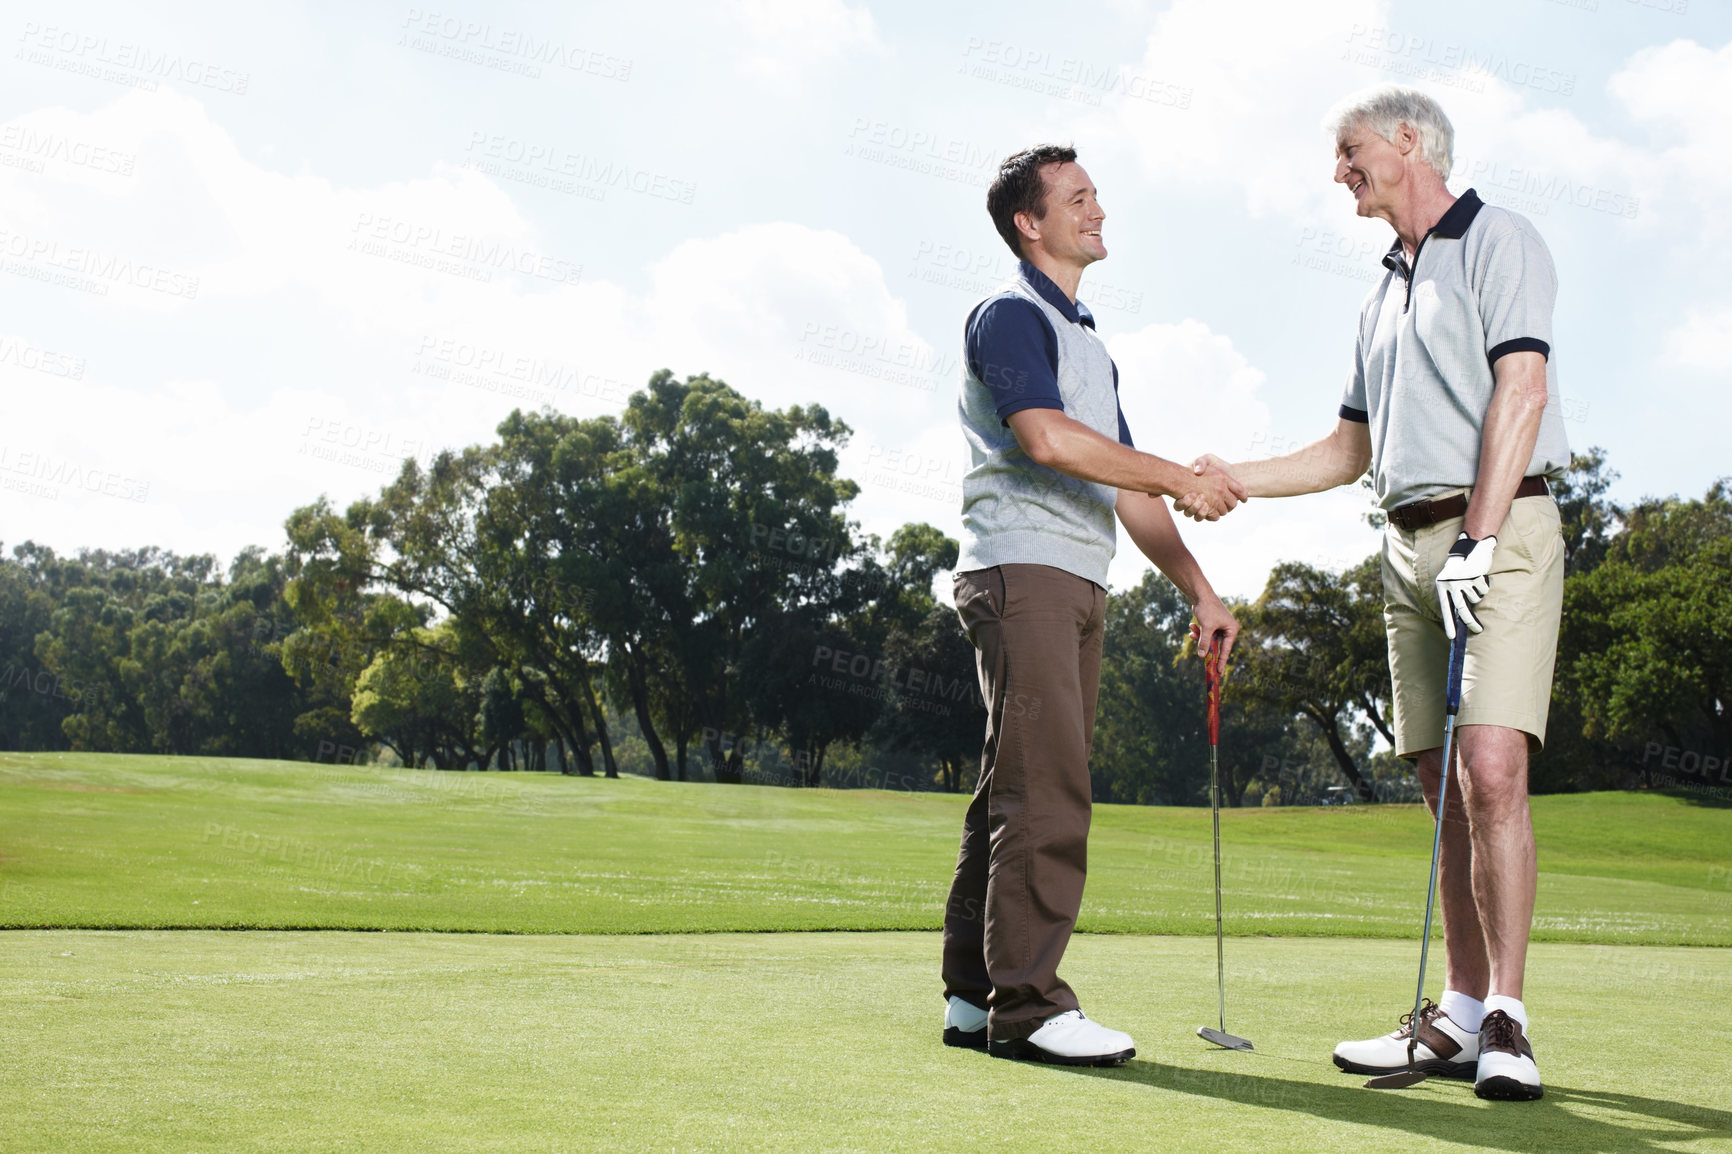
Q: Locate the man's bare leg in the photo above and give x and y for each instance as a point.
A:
(1467, 966)
(1494, 778)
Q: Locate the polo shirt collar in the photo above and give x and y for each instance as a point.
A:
(1452, 225)
(1074, 311)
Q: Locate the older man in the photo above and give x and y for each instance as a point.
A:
(1453, 403)
(1051, 461)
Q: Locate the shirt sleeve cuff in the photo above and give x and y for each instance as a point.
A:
(1348, 413)
(1005, 410)
(1519, 345)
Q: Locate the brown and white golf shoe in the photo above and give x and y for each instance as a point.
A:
(1445, 1049)
(1506, 1062)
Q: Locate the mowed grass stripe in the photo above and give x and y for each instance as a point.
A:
(196, 1041)
(132, 841)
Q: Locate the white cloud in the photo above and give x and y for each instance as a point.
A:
(1683, 94)
(793, 36)
(1261, 87)
(1703, 341)
(1186, 390)
(416, 337)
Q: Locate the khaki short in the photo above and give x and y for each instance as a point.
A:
(1507, 679)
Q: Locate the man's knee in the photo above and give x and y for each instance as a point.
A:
(1494, 777)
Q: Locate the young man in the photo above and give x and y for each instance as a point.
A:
(1453, 402)
(1051, 460)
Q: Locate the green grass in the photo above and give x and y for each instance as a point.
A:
(109, 841)
(207, 1041)
(578, 1021)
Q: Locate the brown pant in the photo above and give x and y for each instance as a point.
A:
(1019, 876)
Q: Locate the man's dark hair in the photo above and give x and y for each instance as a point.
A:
(1019, 187)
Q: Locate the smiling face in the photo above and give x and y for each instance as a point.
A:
(1070, 230)
(1376, 171)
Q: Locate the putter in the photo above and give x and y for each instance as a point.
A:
(1212, 675)
(1452, 704)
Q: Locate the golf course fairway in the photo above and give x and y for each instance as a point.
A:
(133, 1018)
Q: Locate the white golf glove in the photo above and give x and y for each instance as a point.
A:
(1463, 580)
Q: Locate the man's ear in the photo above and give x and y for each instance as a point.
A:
(1406, 139)
(1027, 225)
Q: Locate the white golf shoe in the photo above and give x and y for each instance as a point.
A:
(1444, 1048)
(1069, 1039)
(1506, 1062)
(964, 1025)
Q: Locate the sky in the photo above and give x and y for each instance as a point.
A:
(253, 257)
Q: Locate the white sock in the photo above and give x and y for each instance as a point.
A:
(1511, 1006)
(1464, 1011)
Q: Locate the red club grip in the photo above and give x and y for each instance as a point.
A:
(1212, 675)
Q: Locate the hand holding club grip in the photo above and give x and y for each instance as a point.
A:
(1457, 658)
(1212, 674)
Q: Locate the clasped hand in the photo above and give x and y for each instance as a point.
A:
(1214, 492)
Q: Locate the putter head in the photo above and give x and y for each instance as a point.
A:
(1223, 1039)
(1402, 1079)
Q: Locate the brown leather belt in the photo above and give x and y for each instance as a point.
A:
(1419, 514)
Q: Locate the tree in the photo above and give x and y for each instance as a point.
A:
(1150, 744)
(414, 698)
(721, 491)
(936, 709)
(1649, 638)
(1588, 520)
(1319, 649)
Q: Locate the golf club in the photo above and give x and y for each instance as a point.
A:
(1212, 675)
(1452, 704)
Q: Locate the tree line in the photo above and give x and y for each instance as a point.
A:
(678, 591)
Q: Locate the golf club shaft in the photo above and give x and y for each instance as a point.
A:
(1213, 676)
(1431, 882)
(1452, 704)
(1220, 951)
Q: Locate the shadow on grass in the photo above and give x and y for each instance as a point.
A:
(1708, 797)
(1549, 1124)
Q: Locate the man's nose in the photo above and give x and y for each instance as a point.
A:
(1341, 170)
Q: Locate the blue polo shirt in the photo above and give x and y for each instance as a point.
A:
(1013, 350)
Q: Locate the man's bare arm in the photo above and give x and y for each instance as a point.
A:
(1068, 446)
(1512, 427)
(1148, 523)
(1338, 459)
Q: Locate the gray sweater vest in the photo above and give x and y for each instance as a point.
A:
(1015, 511)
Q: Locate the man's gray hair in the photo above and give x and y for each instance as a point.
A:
(1387, 108)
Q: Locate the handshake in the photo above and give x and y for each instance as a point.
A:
(1212, 490)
